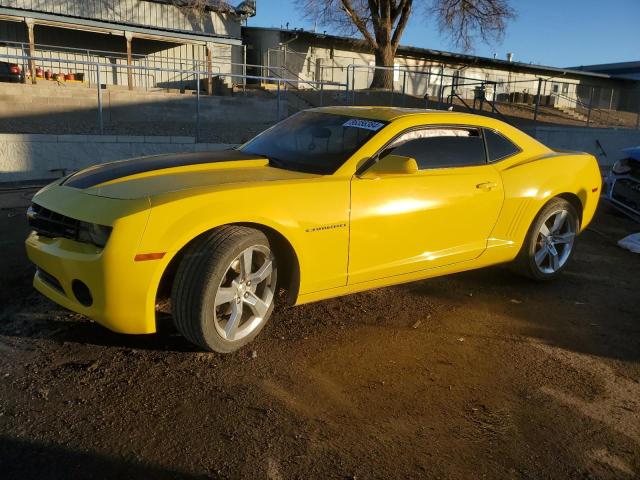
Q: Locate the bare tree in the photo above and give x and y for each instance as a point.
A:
(199, 6)
(196, 9)
(382, 23)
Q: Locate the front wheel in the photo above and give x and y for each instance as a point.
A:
(224, 289)
(549, 242)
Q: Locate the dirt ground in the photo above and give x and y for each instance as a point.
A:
(477, 375)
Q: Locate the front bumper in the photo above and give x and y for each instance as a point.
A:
(623, 192)
(122, 290)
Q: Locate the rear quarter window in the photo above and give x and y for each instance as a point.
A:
(499, 147)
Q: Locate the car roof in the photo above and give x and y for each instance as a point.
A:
(385, 114)
(436, 117)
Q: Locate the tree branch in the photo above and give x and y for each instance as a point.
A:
(359, 23)
(374, 8)
(462, 20)
(405, 13)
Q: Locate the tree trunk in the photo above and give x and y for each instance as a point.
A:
(383, 77)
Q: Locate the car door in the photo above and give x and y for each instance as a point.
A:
(439, 215)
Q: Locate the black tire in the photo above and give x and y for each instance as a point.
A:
(200, 274)
(525, 263)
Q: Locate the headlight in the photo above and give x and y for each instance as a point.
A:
(621, 167)
(93, 233)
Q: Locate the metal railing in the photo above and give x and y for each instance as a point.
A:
(198, 75)
(434, 87)
(528, 99)
(53, 54)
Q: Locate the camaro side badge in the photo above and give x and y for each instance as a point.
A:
(326, 227)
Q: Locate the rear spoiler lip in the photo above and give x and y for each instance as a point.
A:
(572, 152)
(551, 154)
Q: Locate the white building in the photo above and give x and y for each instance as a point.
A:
(139, 33)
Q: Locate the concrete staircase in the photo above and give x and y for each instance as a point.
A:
(295, 99)
(571, 113)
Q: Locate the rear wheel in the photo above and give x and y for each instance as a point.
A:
(224, 289)
(550, 241)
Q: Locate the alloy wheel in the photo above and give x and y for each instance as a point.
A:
(246, 293)
(554, 241)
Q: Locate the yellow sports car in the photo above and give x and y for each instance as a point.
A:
(328, 202)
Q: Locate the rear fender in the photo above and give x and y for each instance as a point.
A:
(530, 185)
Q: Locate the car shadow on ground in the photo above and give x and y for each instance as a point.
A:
(30, 459)
(590, 308)
(64, 327)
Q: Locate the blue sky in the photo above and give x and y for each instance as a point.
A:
(559, 33)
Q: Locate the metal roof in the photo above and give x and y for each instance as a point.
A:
(64, 21)
(628, 70)
(453, 57)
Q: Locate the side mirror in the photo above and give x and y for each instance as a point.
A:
(392, 165)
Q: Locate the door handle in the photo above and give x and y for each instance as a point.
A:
(486, 185)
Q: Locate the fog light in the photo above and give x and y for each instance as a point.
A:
(82, 293)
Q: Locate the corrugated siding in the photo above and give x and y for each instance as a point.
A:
(135, 12)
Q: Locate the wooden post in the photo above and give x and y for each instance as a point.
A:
(535, 111)
(32, 48)
(209, 48)
(590, 106)
(129, 37)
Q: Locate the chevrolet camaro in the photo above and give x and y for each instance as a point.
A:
(328, 202)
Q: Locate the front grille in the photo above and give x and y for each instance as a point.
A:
(627, 192)
(51, 224)
(50, 280)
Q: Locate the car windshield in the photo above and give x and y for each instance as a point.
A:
(313, 142)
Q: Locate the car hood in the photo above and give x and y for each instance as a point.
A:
(158, 174)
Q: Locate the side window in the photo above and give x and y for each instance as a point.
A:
(498, 146)
(441, 147)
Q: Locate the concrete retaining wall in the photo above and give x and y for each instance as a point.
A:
(37, 157)
(611, 140)
(35, 103)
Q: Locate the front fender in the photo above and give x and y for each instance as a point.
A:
(295, 210)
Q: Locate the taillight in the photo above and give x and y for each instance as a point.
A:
(14, 69)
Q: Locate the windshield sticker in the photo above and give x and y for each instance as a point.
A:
(366, 124)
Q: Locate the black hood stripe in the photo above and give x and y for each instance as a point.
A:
(124, 168)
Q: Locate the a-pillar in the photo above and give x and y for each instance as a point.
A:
(32, 47)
